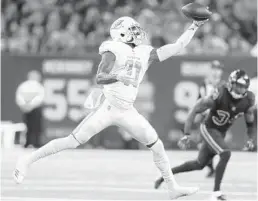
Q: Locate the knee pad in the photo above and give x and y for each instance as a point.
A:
(225, 155)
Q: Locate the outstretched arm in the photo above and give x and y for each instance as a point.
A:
(201, 105)
(104, 69)
(170, 50)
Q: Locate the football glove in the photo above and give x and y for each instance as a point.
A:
(184, 142)
(199, 23)
(250, 146)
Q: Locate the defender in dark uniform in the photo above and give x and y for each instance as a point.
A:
(211, 81)
(226, 104)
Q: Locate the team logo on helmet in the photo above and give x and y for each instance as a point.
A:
(118, 24)
(127, 30)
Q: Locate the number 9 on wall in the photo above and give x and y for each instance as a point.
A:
(185, 96)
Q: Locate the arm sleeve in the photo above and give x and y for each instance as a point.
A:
(169, 50)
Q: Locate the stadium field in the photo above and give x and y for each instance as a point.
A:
(118, 175)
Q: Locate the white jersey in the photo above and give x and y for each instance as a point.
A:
(133, 62)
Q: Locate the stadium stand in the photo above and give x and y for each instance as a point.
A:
(76, 27)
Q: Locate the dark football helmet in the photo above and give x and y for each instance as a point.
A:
(238, 84)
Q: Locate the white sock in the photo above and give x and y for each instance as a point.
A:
(53, 147)
(162, 162)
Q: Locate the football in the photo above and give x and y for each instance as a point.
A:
(196, 12)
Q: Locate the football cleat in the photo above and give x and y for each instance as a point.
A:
(216, 196)
(20, 171)
(180, 191)
(18, 176)
(222, 197)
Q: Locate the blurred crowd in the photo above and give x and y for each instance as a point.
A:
(75, 27)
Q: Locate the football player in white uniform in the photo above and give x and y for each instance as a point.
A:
(125, 59)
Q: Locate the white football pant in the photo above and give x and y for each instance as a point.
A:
(106, 115)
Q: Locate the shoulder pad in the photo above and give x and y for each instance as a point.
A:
(109, 46)
(147, 47)
(147, 50)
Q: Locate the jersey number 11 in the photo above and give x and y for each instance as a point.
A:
(133, 70)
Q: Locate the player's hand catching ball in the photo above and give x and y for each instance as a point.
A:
(197, 12)
(184, 142)
(199, 23)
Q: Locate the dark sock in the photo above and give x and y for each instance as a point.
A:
(210, 165)
(220, 169)
(186, 167)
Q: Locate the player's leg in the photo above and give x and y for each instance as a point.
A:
(141, 130)
(199, 119)
(204, 156)
(91, 125)
(216, 142)
(211, 168)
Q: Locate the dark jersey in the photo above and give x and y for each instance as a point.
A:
(226, 109)
(206, 89)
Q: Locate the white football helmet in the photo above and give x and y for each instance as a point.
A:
(127, 30)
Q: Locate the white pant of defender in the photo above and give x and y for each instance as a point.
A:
(106, 115)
